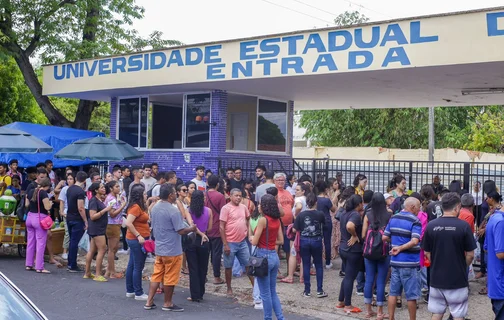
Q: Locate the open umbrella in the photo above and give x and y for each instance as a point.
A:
(99, 149)
(17, 141)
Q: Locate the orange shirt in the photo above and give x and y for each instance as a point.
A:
(287, 202)
(466, 215)
(141, 222)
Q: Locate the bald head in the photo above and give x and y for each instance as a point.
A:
(412, 205)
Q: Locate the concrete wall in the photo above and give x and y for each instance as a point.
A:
(373, 153)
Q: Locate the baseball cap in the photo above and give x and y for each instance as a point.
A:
(467, 200)
(387, 195)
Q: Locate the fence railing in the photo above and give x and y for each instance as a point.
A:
(378, 172)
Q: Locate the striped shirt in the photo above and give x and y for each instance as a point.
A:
(401, 228)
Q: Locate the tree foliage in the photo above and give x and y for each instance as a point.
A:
(349, 18)
(16, 101)
(62, 30)
(487, 131)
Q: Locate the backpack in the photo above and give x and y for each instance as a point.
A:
(21, 210)
(149, 193)
(374, 247)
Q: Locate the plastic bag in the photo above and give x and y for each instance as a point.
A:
(84, 242)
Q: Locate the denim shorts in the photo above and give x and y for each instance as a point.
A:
(240, 250)
(406, 278)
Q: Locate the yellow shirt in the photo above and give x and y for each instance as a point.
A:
(7, 180)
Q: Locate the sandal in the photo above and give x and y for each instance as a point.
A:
(354, 310)
(340, 306)
(43, 271)
(285, 280)
(296, 274)
(371, 314)
(92, 276)
(483, 291)
(219, 283)
(117, 275)
(100, 279)
(382, 316)
(30, 269)
(152, 306)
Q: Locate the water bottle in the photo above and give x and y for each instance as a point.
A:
(56, 223)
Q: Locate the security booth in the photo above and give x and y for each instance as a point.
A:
(230, 101)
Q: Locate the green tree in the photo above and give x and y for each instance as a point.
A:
(60, 30)
(16, 101)
(487, 131)
(349, 18)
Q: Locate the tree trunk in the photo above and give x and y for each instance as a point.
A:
(86, 107)
(53, 115)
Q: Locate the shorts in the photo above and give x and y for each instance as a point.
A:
(167, 270)
(406, 278)
(456, 299)
(113, 231)
(240, 250)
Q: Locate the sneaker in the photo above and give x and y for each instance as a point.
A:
(360, 293)
(64, 256)
(321, 294)
(306, 294)
(143, 297)
(75, 270)
(122, 251)
(130, 294)
(258, 306)
(329, 266)
(173, 308)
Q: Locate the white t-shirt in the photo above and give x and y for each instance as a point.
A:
(148, 183)
(156, 190)
(63, 197)
(200, 184)
(301, 200)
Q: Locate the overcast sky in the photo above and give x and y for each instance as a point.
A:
(196, 21)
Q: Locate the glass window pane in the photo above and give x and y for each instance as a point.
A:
(272, 126)
(198, 120)
(143, 122)
(128, 121)
(167, 126)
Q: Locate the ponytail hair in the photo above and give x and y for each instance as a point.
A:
(46, 182)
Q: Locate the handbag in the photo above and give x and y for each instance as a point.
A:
(47, 222)
(258, 266)
(149, 246)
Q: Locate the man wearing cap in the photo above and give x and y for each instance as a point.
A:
(389, 199)
(466, 213)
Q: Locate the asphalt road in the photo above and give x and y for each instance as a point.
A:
(63, 296)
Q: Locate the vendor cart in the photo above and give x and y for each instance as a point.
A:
(13, 232)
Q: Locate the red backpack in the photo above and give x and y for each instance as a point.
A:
(374, 247)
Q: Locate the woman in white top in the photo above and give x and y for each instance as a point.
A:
(477, 194)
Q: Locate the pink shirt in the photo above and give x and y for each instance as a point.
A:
(236, 221)
(424, 219)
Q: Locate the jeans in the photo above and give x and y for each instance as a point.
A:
(216, 255)
(361, 281)
(423, 277)
(406, 278)
(327, 241)
(353, 262)
(197, 262)
(256, 293)
(312, 247)
(136, 264)
(240, 250)
(376, 269)
(76, 231)
(37, 238)
(498, 309)
(267, 285)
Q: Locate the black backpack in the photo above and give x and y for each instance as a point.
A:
(374, 247)
(21, 210)
(149, 193)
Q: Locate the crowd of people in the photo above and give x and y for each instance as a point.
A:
(423, 242)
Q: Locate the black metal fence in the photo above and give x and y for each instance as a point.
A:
(378, 172)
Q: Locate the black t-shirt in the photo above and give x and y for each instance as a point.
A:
(325, 205)
(355, 217)
(447, 239)
(126, 183)
(236, 184)
(97, 227)
(34, 206)
(309, 223)
(33, 185)
(74, 193)
(26, 184)
(434, 210)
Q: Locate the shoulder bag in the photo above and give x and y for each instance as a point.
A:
(258, 266)
(47, 222)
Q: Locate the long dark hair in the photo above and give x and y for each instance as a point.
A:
(311, 200)
(353, 202)
(110, 185)
(346, 193)
(358, 179)
(46, 182)
(197, 203)
(429, 195)
(378, 210)
(136, 196)
(269, 206)
(320, 187)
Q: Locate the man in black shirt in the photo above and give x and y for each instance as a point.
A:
(31, 176)
(449, 244)
(76, 218)
(41, 175)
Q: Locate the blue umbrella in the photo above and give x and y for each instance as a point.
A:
(17, 141)
(99, 149)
